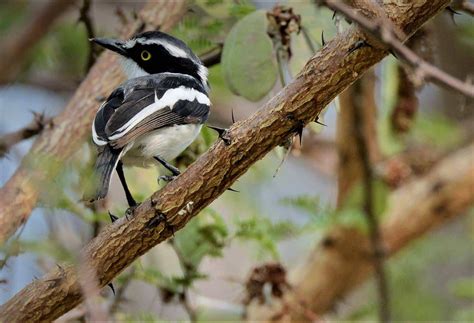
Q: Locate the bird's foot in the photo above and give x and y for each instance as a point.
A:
(131, 210)
(167, 178)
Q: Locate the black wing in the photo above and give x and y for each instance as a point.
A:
(148, 109)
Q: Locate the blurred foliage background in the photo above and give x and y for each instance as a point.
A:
(277, 216)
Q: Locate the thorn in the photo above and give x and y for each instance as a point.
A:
(319, 122)
(299, 133)
(111, 287)
(452, 12)
(358, 45)
(222, 134)
(113, 218)
(322, 38)
(393, 53)
(153, 223)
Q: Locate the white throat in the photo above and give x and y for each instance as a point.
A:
(131, 69)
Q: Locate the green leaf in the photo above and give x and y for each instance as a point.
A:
(463, 288)
(248, 62)
(436, 130)
(265, 232)
(203, 236)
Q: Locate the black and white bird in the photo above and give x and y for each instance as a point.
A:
(154, 115)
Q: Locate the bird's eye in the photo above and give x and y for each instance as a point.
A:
(145, 55)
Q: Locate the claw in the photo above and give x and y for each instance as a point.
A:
(111, 287)
(323, 42)
(167, 178)
(130, 211)
(358, 45)
(233, 117)
(113, 218)
(223, 134)
(232, 190)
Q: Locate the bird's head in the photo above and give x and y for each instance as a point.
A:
(155, 52)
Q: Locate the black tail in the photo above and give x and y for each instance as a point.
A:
(104, 166)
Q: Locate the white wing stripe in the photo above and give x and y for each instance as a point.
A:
(168, 99)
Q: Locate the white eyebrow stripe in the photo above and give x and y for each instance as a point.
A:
(168, 99)
(172, 49)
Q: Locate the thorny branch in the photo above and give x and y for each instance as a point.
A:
(33, 128)
(386, 33)
(325, 75)
(368, 206)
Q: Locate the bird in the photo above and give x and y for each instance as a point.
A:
(155, 114)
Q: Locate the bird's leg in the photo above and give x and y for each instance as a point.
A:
(131, 201)
(175, 171)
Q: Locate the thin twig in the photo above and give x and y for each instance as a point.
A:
(119, 295)
(386, 33)
(85, 18)
(188, 270)
(33, 128)
(212, 57)
(309, 41)
(374, 231)
(463, 5)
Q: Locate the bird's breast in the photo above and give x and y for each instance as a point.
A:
(167, 143)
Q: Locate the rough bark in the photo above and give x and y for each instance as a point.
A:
(328, 73)
(71, 128)
(17, 44)
(343, 258)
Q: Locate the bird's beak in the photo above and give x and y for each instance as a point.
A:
(112, 44)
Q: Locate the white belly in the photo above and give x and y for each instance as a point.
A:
(167, 143)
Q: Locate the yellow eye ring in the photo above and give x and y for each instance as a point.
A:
(145, 55)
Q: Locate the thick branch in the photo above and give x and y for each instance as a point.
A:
(385, 32)
(343, 259)
(20, 195)
(17, 44)
(328, 73)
